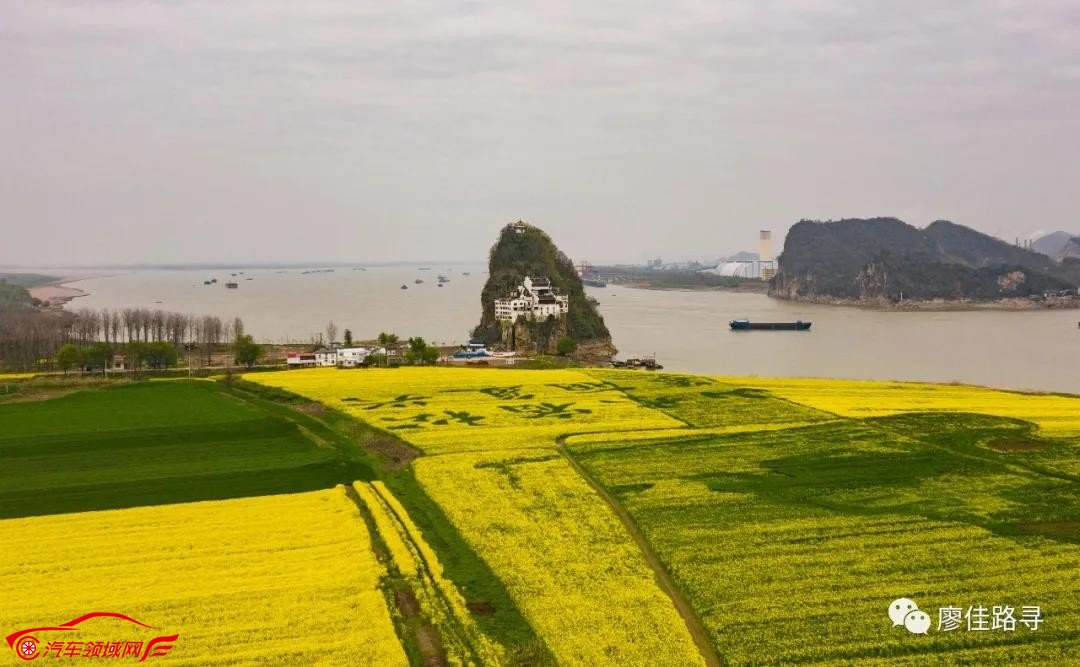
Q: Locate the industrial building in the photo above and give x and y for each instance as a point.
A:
(745, 265)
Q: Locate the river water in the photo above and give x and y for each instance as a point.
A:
(686, 330)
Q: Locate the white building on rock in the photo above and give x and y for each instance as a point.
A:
(535, 299)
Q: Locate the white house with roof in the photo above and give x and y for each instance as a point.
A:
(535, 299)
(350, 357)
(327, 356)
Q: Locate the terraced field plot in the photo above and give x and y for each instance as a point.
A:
(152, 443)
(288, 579)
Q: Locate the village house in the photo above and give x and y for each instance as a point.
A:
(350, 357)
(341, 357)
(535, 299)
(300, 359)
(327, 356)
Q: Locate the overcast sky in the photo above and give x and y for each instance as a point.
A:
(263, 130)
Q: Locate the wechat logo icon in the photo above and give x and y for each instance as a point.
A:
(905, 612)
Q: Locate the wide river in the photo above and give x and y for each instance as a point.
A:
(687, 331)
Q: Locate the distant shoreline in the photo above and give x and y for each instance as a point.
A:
(745, 288)
(944, 305)
(58, 292)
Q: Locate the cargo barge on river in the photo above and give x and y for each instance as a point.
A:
(747, 325)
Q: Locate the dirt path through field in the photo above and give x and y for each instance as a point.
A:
(693, 624)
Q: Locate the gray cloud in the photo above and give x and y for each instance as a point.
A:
(139, 131)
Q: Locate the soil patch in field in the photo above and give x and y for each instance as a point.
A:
(1066, 529)
(406, 603)
(315, 409)
(392, 450)
(1017, 445)
(481, 607)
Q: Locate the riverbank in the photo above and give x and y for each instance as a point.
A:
(58, 293)
(943, 305)
(756, 287)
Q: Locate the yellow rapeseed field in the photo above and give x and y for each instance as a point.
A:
(283, 579)
(444, 410)
(563, 555)
(1055, 414)
(4, 377)
(462, 640)
(743, 486)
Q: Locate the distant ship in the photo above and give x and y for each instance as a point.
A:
(593, 282)
(404, 287)
(418, 281)
(232, 285)
(443, 279)
(747, 325)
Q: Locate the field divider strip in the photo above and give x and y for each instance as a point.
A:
(693, 624)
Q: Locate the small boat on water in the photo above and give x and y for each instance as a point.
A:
(404, 287)
(418, 281)
(443, 279)
(232, 285)
(747, 325)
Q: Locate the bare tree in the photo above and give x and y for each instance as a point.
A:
(106, 325)
(116, 325)
(331, 332)
(157, 324)
(29, 336)
(129, 323)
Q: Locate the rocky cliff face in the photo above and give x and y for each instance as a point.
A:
(884, 259)
(1069, 251)
(524, 250)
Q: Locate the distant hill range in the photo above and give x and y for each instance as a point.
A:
(885, 259)
(1058, 245)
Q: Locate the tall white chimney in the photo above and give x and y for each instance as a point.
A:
(765, 249)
